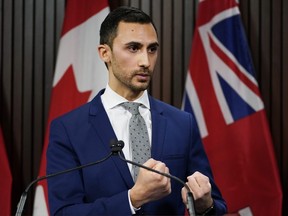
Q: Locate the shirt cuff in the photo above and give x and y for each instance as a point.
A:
(133, 209)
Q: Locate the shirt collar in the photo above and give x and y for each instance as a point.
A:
(112, 99)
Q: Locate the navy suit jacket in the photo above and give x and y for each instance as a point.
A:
(83, 136)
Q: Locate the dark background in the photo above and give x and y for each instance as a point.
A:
(29, 36)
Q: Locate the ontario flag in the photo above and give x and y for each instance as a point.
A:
(222, 93)
(5, 180)
(79, 72)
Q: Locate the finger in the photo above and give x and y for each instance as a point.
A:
(160, 166)
(199, 185)
(150, 163)
(184, 195)
(167, 170)
(192, 182)
(202, 180)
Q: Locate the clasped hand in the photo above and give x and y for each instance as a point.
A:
(151, 186)
(200, 187)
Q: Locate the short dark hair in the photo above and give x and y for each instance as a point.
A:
(109, 26)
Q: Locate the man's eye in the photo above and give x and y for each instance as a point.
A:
(133, 48)
(153, 49)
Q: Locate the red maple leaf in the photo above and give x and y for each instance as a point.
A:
(65, 95)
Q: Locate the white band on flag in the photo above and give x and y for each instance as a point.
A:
(196, 106)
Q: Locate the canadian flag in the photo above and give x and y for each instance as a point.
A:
(223, 95)
(79, 72)
(5, 180)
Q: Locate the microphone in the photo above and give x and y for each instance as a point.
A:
(117, 146)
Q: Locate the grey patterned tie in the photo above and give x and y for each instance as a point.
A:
(139, 139)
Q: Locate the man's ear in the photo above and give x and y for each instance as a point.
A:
(104, 52)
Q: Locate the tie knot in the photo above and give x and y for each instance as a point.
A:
(132, 107)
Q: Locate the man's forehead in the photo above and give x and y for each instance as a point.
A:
(137, 32)
(124, 26)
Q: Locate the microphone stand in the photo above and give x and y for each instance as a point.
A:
(23, 197)
(116, 147)
(190, 199)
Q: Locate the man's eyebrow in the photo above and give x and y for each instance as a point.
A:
(140, 44)
(133, 43)
(155, 44)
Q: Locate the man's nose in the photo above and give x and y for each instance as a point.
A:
(144, 60)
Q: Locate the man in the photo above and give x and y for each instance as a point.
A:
(129, 48)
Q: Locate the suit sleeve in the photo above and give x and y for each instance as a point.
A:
(66, 193)
(199, 162)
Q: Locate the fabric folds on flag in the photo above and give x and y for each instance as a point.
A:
(79, 72)
(5, 180)
(223, 95)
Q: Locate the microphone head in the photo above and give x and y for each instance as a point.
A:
(116, 146)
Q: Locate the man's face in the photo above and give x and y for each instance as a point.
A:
(133, 58)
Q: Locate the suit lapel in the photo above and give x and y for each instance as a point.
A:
(105, 132)
(100, 121)
(158, 129)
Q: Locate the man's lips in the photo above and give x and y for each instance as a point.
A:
(142, 76)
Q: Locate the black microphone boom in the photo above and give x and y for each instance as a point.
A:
(116, 147)
(190, 200)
